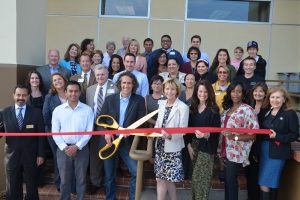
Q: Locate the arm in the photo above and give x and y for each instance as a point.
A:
(47, 114)
(58, 139)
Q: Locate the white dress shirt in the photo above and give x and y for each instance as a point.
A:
(106, 59)
(65, 119)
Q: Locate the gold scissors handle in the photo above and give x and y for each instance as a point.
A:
(114, 124)
(114, 144)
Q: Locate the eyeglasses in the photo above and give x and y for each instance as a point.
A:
(222, 72)
(157, 83)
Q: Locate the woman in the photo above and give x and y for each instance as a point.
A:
(276, 147)
(151, 100)
(186, 95)
(202, 73)
(168, 164)
(87, 45)
(258, 94)
(235, 147)
(238, 57)
(202, 146)
(115, 65)
(173, 71)
(35, 84)
(222, 58)
(221, 85)
(56, 97)
(140, 61)
(97, 57)
(193, 55)
(71, 59)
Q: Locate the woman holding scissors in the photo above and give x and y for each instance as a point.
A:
(168, 160)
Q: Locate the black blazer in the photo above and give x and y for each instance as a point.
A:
(286, 126)
(30, 147)
(51, 102)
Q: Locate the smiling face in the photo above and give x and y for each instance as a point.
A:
(156, 86)
(115, 64)
(20, 96)
(222, 74)
(193, 55)
(129, 63)
(222, 57)
(166, 43)
(101, 76)
(73, 52)
(162, 59)
(237, 95)
(196, 42)
(252, 52)
(58, 82)
(170, 91)
(34, 80)
(190, 81)
(173, 67)
(277, 99)
(90, 47)
(148, 45)
(133, 47)
(249, 67)
(126, 86)
(258, 94)
(53, 57)
(202, 68)
(73, 93)
(85, 63)
(202, 94)
(97, 59)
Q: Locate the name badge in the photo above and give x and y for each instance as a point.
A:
(30, 126)
(110, 91)
(80, 80)
(172, 53)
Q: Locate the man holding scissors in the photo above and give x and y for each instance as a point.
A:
(126, 107)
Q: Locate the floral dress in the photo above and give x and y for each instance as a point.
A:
(167, 166)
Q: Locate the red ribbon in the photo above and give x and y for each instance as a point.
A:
(149, 130)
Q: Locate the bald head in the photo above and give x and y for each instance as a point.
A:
(53, 57)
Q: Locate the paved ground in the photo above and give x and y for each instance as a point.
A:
(150, 194)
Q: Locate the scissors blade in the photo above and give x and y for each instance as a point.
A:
(142, 120)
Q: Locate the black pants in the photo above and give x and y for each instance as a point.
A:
(251, 172)
(231, 181)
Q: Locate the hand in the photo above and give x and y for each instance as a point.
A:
(191, 151)
(71, 150)
(109, 139)
(273, 134)
(199, 134)
(166, 135)
(39, 160)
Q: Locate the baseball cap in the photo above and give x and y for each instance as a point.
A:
(252, 44)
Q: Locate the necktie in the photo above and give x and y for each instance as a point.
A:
(99, 101)
(20, 118)
(84, 83)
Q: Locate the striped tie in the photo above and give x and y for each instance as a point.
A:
(20, 118)
(99, 101)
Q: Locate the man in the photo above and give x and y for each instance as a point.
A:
(148, 46)
(129, 63)
(126, 107)
(196, 42)
(166, 43)
(249, 78)
(22, 154)
(53, 67)
(252, 49)
(95, 97)
(87, 76)
(125, 42)
(110, 49)
(73, 151)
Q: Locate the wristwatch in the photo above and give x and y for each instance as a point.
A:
(236, 138)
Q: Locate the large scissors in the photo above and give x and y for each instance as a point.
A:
(114, 125)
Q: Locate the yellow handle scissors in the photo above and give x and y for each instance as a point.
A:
(114, 125)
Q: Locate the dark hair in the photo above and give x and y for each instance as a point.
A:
(193, 49)
(196, 36)
(84, 44)
(156, 78)
(27, 83)
(73, 83)
(167, 36)
(97, 51)
(67, 55)
(156, 58)
(110, 69)
(250, 58)
(227, 101)
(264, 87)
(133, 78)
(21, 86)
(176, 60)
(148, 40)
(53, 90)
(211, 100)
(187, 75)
(129, 54)
(215, 62)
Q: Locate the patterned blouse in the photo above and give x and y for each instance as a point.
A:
(243, 117)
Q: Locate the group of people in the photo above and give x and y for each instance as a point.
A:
(67, 95)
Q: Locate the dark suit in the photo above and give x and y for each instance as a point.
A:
(134, 111)
(46, 75)
(21, 152)
(96, 165)
(92, 81)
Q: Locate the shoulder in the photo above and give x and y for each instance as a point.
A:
(246, 108)
(42, 68)
(181, 104)
(137, 97)
(75, 77)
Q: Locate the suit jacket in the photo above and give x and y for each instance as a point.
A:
(91, 82)
(51, 102)
(134, 111)
(178, 117)
(90, 92)
(46, 75)
(28, 147)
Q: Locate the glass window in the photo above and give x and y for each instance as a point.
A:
(238, 10)
(137, 8)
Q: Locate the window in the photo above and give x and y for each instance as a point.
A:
(136, 8)
(235, 10)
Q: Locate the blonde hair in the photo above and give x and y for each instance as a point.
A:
(288, 103)
(132, 41)
(173, 82)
